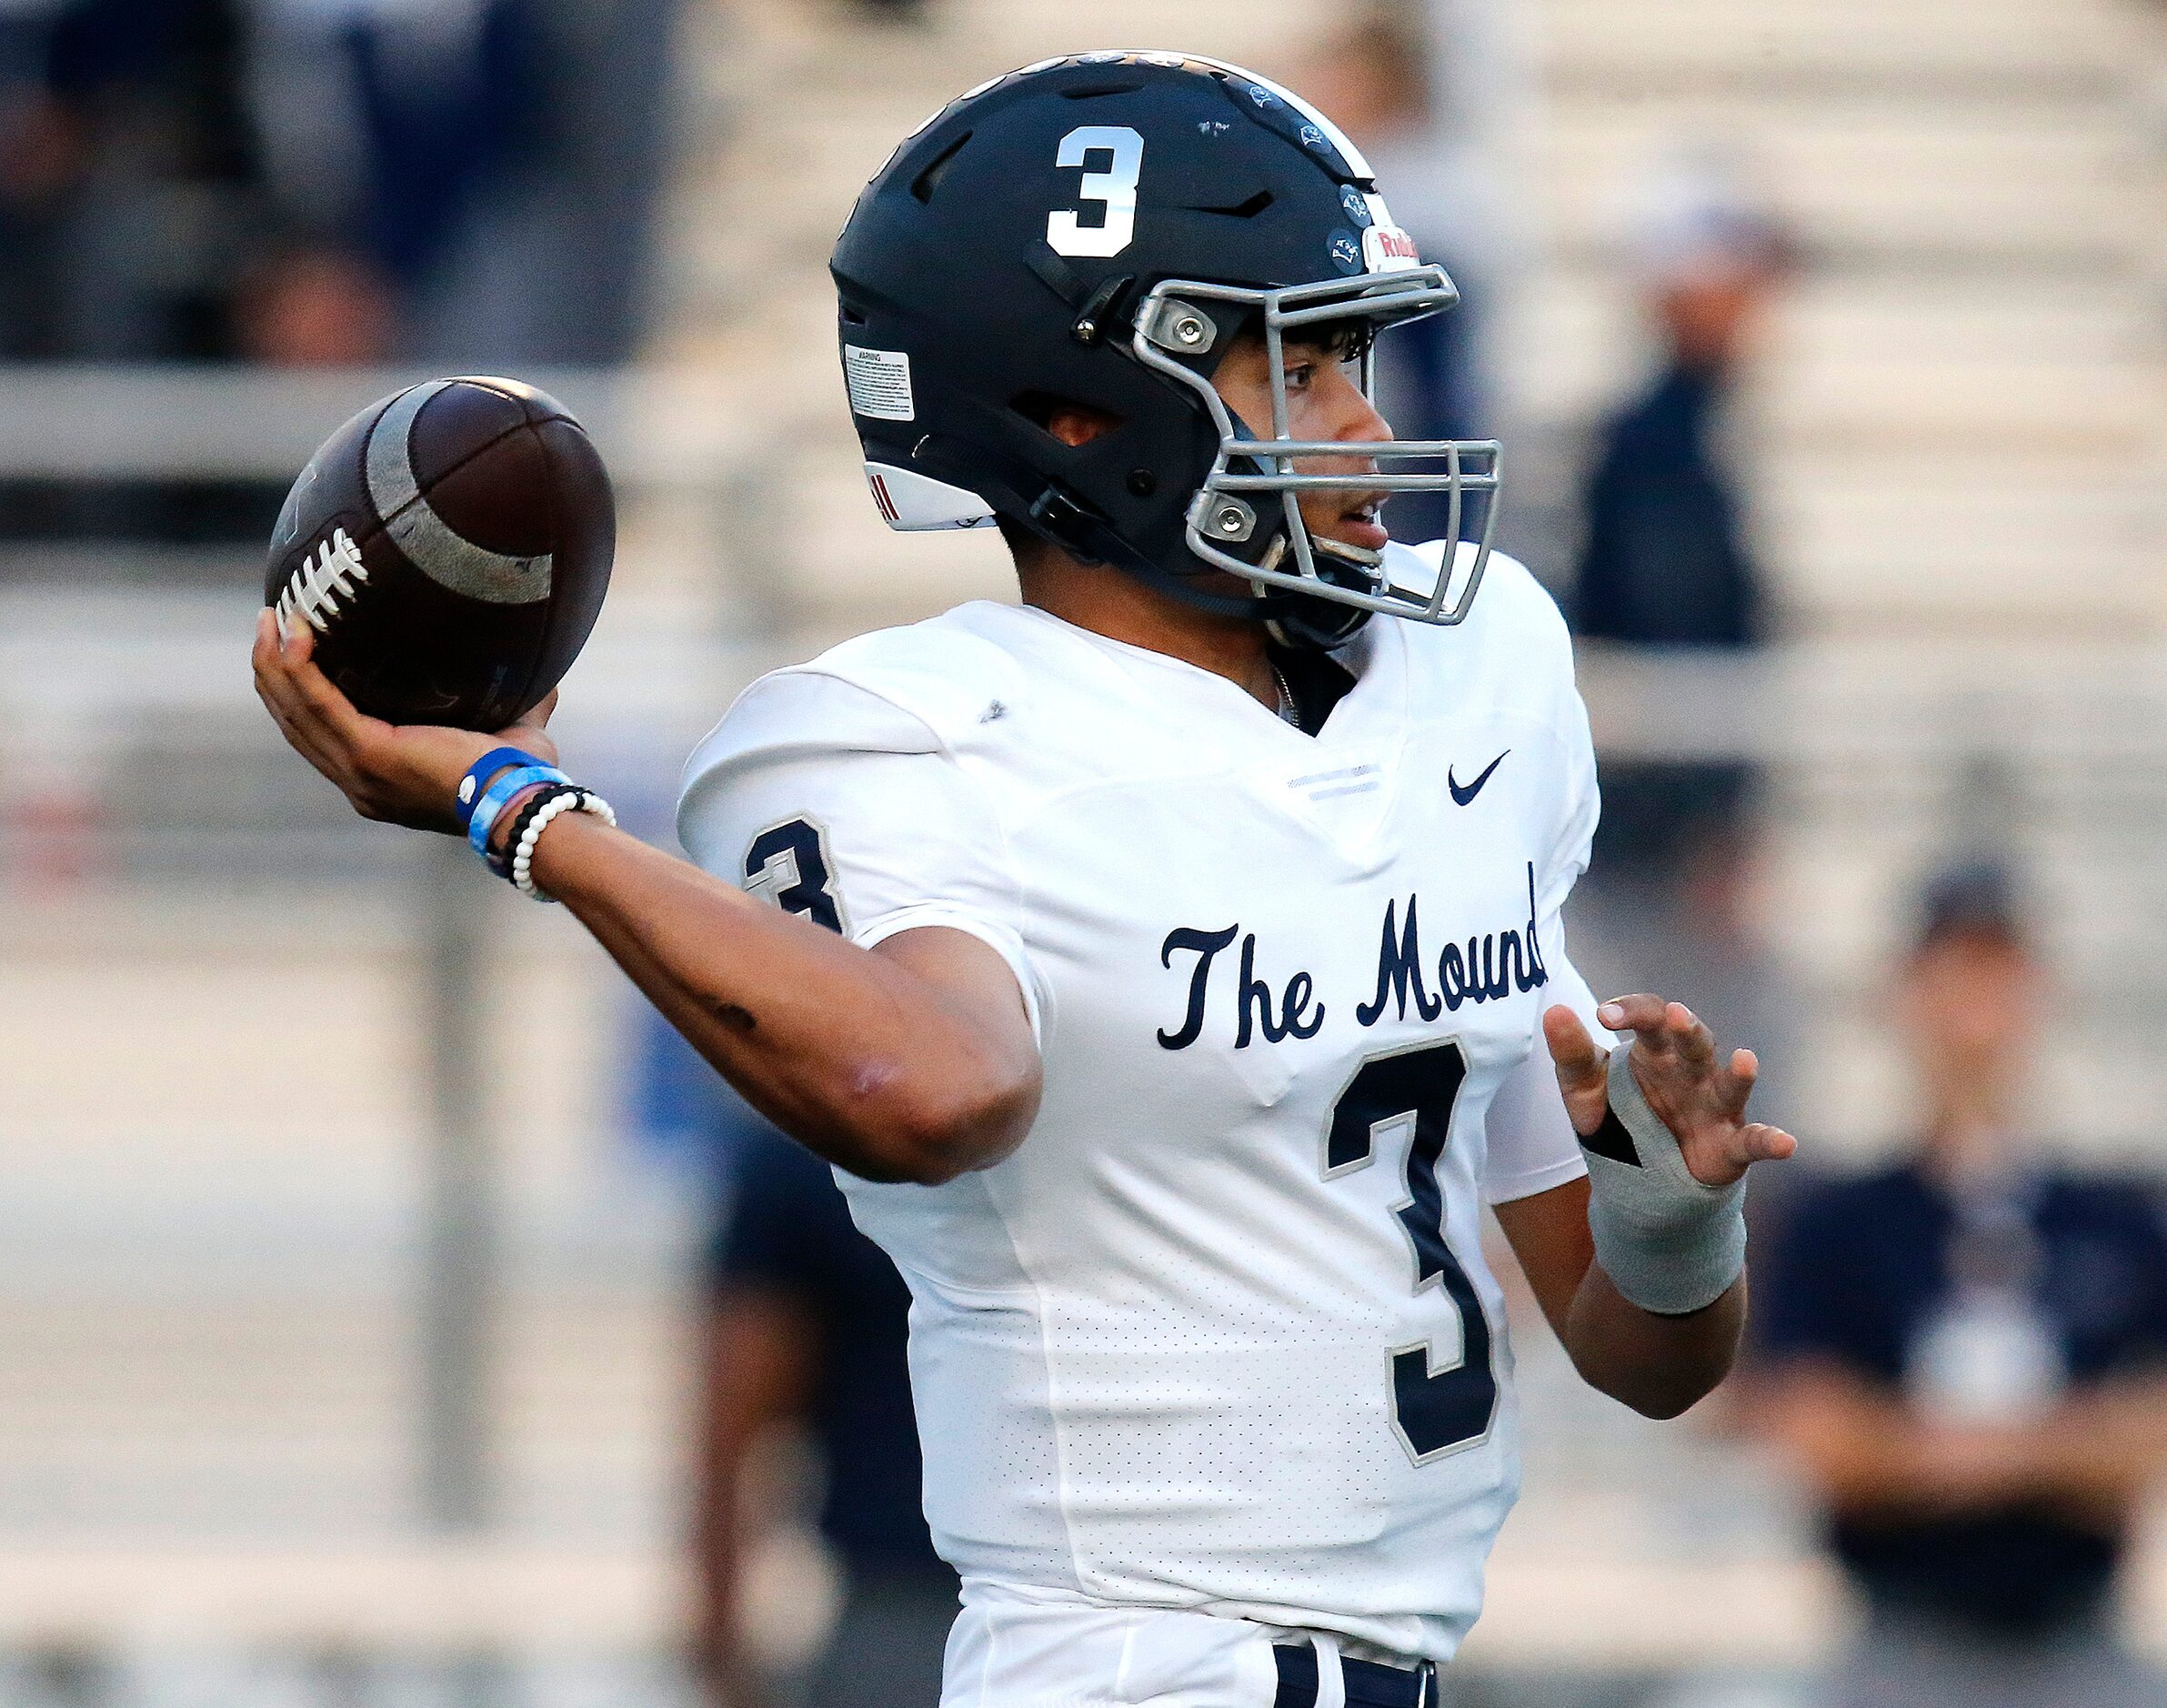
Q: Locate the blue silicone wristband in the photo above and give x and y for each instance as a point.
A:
(498, 793)
(469, 796)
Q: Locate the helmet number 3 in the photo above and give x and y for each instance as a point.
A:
(1114, 189)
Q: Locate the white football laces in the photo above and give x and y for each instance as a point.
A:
(320, 580)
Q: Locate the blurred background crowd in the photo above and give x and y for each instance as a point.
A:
(313, 182)
(336, 1367)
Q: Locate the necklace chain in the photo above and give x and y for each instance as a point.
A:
(1289, 711)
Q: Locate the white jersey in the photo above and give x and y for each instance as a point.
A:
(1219, 1334)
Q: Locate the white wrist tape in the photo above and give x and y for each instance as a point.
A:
(1669, 1244)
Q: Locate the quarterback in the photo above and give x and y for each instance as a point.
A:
(1170, 964)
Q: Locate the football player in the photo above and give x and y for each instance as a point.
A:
(1172, 965)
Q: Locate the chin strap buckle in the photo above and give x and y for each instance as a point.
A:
(1098, 308)
(1069, 525)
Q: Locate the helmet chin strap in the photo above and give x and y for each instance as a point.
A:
(1300, 621)
(1305, 621)
(1293, 619)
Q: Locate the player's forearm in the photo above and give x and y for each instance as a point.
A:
(1657, 1365)
(847, 1050)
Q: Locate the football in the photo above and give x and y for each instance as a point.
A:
(450, 546)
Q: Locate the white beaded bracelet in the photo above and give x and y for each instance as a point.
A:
(585, 800)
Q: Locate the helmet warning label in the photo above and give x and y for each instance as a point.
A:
(879, 382)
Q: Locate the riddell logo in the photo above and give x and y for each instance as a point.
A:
(1388, 249)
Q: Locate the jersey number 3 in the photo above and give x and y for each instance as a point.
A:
(788, 865)
(1412, 1092)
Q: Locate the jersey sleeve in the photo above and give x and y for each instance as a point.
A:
(1531, 1144)
(826, 800)
(1581, 800)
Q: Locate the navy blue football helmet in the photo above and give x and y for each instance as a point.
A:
(1096, 230)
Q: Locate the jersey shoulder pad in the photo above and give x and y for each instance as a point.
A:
(947, 673)
(1513, 614)
(899, 690)
(789, 716)
(798, 712)
(1519, 604)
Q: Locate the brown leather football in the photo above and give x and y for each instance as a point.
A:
(450, 546)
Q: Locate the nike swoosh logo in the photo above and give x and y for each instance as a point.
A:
(1461, 796)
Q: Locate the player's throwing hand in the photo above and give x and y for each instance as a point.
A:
(399, 773)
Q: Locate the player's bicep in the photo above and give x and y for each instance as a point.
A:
(975, 984)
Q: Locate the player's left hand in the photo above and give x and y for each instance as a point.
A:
(399, 773)
(1700, 1100)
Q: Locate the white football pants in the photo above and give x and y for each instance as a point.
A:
(1021, 1655)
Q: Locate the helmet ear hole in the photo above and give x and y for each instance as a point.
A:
(1063, 419)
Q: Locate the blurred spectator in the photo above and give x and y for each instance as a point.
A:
(41, 158)
(1665, 563)
(808, 1324)
(387, 126)
(494, 162)
(304, 183)
(163, 161)
(388, 120)
(1967, 1352)
(313, 308)
(131, 199)
(146, 172)
(1664, 559)
(1382, 77)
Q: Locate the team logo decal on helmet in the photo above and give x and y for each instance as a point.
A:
(1094, 232)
